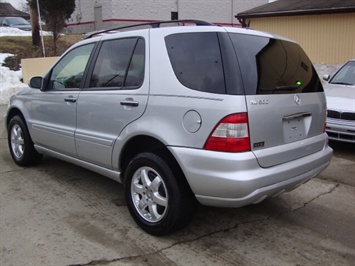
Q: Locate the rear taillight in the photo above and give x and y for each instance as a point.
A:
(230, 135)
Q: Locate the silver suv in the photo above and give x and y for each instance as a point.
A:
(180, 115)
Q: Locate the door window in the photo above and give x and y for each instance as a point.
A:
(120, 64)
(68, 72)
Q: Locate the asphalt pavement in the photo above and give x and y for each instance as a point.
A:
(59, 214)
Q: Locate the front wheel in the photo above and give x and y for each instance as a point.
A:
(20, 143)
(157, 195)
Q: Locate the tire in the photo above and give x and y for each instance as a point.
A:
(20, 143)
(157, 195)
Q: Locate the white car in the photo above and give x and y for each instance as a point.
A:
(340, 93)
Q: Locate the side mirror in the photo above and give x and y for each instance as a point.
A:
(326, 77)
(35, 82)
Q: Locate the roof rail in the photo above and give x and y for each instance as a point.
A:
(155, 24)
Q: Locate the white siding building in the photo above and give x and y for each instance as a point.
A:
(91, 15)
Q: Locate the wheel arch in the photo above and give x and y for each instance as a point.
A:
(23, 153)
(13, 112)
(140, 144)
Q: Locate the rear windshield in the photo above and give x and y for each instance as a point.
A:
(271, 66)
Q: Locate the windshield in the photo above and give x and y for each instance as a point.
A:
(17, 21)
(346, 75)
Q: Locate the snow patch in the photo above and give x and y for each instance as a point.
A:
(9, 31)
(10, 81)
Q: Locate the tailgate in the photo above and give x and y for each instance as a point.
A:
(284, 127)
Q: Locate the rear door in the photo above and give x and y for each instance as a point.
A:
(115, 94)
(284, 97)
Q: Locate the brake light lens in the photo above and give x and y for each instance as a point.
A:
(230, 135)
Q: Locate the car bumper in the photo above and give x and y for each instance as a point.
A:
(341, 130)
(236, 179)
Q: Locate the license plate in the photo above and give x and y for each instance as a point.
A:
(294, 129)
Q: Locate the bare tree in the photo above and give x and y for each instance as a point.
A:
(55, 12)
(25, 8)
(32, 9)
(36, 38)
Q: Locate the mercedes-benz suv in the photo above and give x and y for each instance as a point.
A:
(180, 115)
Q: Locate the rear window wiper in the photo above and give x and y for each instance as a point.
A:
(281, 88)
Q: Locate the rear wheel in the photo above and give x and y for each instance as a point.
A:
(20, 143)
(157, 195)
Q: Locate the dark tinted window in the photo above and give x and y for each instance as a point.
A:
(196, 60)
(120, 63)
(274, 66)
(135, 74)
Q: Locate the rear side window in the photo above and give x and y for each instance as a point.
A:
(120, 64)
(271, 66)
(197, 61)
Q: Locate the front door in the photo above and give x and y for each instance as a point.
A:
(53, 110)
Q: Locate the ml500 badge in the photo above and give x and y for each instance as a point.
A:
(259, 102)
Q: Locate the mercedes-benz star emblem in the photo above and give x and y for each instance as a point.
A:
(297, 99)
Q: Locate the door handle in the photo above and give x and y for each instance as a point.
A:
(70, 99)
(130, 102)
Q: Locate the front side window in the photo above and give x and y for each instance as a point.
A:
(197, 61)
(68, 72)
(120, 64)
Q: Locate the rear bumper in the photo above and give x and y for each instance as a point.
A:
(235, 180)
(341, 130)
